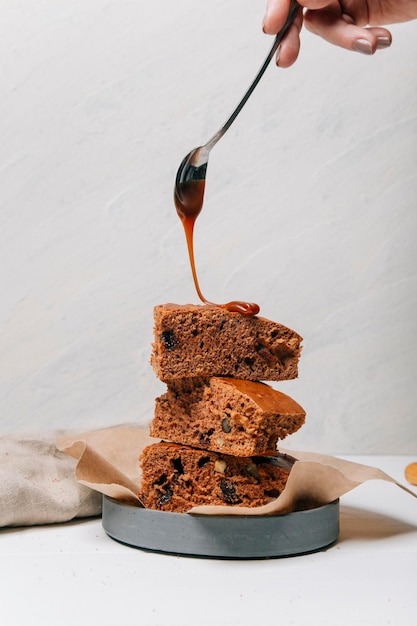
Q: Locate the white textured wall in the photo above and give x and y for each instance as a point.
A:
(311, 210)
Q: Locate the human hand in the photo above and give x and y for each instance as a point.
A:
(352, 24)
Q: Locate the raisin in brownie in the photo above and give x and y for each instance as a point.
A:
(205, 340)
(175, 478)
(228, 415)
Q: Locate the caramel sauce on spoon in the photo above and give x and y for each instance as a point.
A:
(188, 198)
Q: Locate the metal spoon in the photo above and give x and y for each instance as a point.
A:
(194, 165)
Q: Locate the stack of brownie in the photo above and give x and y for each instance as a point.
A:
(219, 425)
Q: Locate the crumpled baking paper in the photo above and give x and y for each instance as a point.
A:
(108, 463)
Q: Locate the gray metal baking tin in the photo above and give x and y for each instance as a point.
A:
(225, 536)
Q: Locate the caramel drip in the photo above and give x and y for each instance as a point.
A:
(189, 202)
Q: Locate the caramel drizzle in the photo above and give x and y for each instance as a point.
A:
(188, 199)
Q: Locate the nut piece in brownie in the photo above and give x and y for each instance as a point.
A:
(175, 478)
(204, 340)
(228, 415)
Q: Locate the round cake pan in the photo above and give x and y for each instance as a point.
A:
(225, 536)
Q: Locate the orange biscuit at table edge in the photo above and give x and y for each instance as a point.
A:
(204, 340)
(229, 415)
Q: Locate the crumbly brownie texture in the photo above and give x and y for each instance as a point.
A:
(226, 415)
(204, 340)
(175, 478)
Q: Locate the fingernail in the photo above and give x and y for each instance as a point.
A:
(363, 46)
(383, 42)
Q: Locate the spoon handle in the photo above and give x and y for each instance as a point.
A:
(292, 12)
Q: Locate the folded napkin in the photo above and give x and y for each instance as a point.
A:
(37, 483)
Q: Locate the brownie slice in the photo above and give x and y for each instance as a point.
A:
(229, 415)
(204, 340)
(175, 478)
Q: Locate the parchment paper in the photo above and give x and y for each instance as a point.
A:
(108, 463)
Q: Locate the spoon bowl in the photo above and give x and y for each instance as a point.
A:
(194, 166)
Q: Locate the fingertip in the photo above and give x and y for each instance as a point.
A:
(268, 28)
(382, 35)
(275, 16)
(288, 53)
(285, 62)
(374, 39)
(290, 47)
(268, 25)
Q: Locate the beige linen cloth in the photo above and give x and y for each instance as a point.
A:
(37, 483)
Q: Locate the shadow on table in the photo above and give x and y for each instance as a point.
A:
(360, 524)
(76, 521)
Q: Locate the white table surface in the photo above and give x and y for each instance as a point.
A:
(75, 574)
